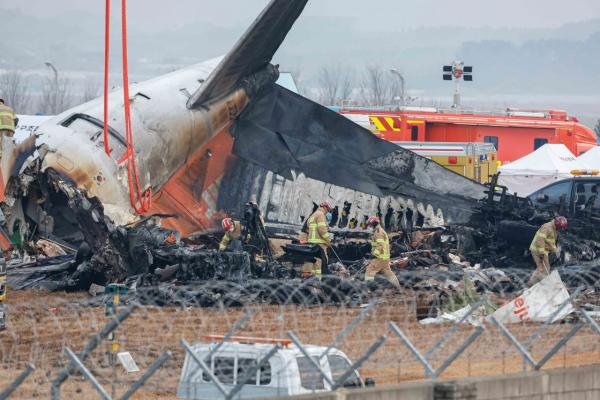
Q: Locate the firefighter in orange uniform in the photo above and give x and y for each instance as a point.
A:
(232, 239)
(318, 233)
(380, 250)
(543, 243)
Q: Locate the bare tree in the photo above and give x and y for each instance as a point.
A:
(379, 87)
(91, 89)
(14, 89)
(298, 80)
(56, 94)
(335, 84)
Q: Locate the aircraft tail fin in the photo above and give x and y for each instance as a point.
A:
(253, 51)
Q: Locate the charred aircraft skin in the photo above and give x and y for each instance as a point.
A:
(183, 119)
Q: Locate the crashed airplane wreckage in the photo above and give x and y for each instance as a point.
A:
(207, 139)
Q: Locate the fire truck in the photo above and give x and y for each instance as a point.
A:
(477, 161)
(513, 132)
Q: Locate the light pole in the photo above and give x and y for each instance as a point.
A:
(456, 71)
(55, 71)
(397, 73)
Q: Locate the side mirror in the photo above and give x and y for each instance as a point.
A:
(542, 198)
(369, 382)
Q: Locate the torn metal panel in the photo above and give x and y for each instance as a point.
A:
(12, 159)
(289, 201)
(313, 152)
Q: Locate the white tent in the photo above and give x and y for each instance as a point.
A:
(591, 158)
(549, 163)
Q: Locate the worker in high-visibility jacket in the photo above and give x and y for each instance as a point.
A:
(543, 243)
(380, 250)
(8, 120)
(232, 239)
(318, 233)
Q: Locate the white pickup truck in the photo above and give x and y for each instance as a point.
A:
(288, 372)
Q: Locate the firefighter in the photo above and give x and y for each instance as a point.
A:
(318, 233)
(8, 120)
(380, 250)
(544, 242)
(232, 240)
(254, 232)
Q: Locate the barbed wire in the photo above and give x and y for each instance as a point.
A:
(41, 325)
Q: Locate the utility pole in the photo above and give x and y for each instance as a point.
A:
(55, 102)
(397, 73)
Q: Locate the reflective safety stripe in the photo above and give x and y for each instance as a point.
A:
(369, 278)
(224, 242)
(316, 272)
(543, 241)
(380, 242)
(313, 231)
(7, 121)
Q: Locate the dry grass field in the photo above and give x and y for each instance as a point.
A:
(41, 324)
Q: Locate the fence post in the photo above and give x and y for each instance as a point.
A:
(17, 382)
(249, 374)
(87, 374)
(153, 368)
(312, 361)
(348, 328)
(359, 362)
(92, 344)
(206, 369)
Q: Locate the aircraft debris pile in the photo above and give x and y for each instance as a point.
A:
(490, 253)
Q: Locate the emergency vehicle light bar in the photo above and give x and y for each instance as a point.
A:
(585, 172)
(248, 340)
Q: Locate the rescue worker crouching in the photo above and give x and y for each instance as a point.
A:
(543, 243)
(232, 240)
(380, 250)
(318, 233)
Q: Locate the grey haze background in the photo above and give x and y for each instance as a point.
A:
(536, 53)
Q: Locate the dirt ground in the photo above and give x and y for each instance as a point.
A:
(40, 325)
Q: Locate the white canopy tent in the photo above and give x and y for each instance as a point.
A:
(591, 158)
(549, 163)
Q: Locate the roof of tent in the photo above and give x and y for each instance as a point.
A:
(548, 159)
(591, 158)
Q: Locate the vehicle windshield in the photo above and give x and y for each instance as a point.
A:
(552, 196)
(310, 378)
(339, 365)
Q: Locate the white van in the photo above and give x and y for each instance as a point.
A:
(288, 372)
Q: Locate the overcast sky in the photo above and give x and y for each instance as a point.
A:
(160, 14)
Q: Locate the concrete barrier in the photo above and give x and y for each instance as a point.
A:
(555, 384)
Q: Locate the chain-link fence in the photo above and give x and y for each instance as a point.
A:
(64, 344)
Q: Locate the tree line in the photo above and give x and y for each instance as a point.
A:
(53, 95)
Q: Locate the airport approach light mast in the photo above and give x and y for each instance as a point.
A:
(457, 70)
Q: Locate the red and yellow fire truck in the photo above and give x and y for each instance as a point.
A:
(514, 133)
